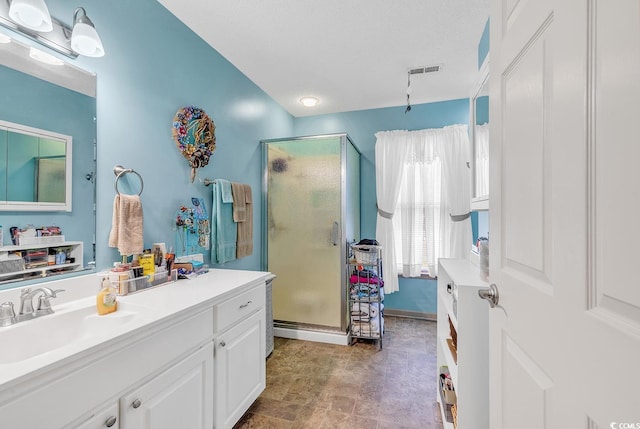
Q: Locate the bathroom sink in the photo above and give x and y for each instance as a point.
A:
(35, 337)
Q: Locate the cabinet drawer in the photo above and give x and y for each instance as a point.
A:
(234, 309)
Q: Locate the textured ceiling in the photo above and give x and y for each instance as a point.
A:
(351, 54)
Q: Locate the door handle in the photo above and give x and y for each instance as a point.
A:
(334, 233)
(490, 294)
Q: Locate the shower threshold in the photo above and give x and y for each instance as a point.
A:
(307, 332)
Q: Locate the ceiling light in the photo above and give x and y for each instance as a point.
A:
(31, 14)
(85, 39)
(309, 101)
(44, 57)
(4, 38)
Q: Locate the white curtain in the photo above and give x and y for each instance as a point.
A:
(482, 159)
(433, 178)
(456, 192)
(391, 151)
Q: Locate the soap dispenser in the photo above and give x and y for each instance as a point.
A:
(106, 301)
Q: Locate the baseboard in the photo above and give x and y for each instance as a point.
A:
(318, 337)
(411, 314)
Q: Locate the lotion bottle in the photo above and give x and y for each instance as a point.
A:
(106, 301)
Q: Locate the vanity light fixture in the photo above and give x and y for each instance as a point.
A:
(31, 14)
(44, 57)
(85, 39)
(309, 101)
(82, 39)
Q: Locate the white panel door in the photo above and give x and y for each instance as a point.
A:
(180, 397)
(239, 369)
(565, 88)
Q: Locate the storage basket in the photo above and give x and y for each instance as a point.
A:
(454, 414)
(366, 254)
(49, 239)
(11, 265)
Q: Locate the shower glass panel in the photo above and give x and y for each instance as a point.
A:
(305, 182)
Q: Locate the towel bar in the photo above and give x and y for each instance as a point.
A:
(120, 171)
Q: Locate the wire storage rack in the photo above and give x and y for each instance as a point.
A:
(366, 293)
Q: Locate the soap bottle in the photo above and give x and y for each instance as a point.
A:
(106, 300)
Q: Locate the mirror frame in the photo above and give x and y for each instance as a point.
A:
(35, 205)
(478, 202)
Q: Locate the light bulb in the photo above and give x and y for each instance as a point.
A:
(309, 101)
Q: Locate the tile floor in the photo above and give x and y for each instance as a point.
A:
(316, 385)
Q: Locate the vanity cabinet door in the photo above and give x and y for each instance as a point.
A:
(107, 418)
(180, 397)
(239, 369)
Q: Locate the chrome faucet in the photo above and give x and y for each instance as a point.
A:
(27, 312)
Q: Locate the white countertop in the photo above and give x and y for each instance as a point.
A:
(183, 297)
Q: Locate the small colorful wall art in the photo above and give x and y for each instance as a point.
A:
(194, 135)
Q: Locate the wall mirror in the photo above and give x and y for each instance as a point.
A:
(37, 164)
(50, 111)
(479, 129)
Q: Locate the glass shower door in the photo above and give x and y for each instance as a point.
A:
(303, 228)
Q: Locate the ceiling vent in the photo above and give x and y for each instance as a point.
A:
(425, 69)
(418, 70)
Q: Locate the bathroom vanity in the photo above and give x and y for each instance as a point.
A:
(188, 354)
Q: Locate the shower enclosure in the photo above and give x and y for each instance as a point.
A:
(311, 211)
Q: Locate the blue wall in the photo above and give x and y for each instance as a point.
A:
(483, 46)
(415, 294)
(153, 66)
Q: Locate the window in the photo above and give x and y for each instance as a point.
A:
(417, 218)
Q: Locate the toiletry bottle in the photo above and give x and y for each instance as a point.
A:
(106, 300)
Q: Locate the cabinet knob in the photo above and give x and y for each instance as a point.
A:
(136, 403)
(245, 305)
(110, 421)
(222, 344)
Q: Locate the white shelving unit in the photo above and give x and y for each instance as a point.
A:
(458, 284)
(75, 252)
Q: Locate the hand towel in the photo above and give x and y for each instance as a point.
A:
(224, 231)
(245, 229)
(127, 224)
(239, 202)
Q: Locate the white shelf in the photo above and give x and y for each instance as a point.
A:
(76, 252)
(16, 248)
(470, 374)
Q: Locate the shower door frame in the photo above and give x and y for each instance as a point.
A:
(344, 141)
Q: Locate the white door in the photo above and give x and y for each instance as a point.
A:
(180, 397)
(239, 369)
(565, 88)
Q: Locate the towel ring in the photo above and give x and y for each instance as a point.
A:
(120, 171)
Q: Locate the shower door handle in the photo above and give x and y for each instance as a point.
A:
(334, 233)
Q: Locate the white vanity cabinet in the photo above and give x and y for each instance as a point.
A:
(463, 319)
(240, 354)
(179, 397)
(197, 362)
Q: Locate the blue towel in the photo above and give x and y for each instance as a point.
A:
(224, 231)
(227, 193)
